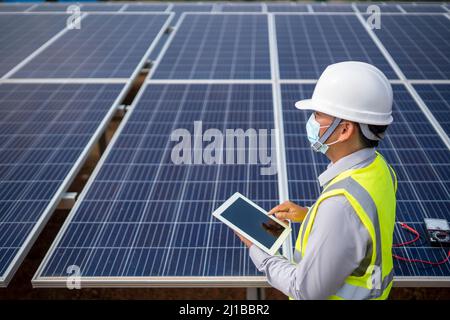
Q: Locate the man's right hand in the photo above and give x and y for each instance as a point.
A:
(289, 211)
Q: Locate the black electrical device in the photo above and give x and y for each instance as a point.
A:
(438, 232)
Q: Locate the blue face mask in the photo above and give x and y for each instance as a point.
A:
(313, 131)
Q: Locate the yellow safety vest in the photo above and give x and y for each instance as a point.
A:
(371, 192)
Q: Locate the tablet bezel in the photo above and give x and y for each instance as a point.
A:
(277, 244)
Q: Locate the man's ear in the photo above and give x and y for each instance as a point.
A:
(347, 130)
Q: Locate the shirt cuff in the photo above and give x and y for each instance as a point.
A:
(258, 256)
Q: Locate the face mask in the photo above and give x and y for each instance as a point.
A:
(313, 130)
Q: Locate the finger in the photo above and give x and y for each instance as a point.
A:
(281, 215)
(281, 207)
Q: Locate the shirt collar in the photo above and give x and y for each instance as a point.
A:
(345, 163)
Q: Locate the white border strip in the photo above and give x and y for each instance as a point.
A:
(65, 80)
(428, 114)
(283, 190)
(48, 211)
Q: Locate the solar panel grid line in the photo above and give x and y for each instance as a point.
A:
(209, 81)
(39, 50)
(65, 80)
(283, 190)
(52, 204)
(80, 56)
(407, 84)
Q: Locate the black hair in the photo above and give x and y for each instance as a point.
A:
(376, 130)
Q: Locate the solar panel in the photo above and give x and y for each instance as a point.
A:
(23, 34)
(45, 132)
(106, 46)
(146, 7)
(287, 7)
(307, 44)
(437, 99)
(412, 147)
(144, 219)
(241, 7)
(418, 43)
(14, 7)
(332, 7)
(218, 46)
(416, 7)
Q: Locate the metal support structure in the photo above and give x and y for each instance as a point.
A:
(256, 294)
(67, 201)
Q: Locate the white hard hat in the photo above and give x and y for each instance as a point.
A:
(354, 91)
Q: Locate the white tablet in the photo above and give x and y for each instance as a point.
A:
(253, 222)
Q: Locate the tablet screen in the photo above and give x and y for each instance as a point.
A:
(254, 222)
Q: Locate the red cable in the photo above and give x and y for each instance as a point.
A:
(405, 226)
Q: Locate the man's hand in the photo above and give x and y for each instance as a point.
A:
(247, 242)
(289, 211)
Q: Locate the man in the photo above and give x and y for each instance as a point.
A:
(343, 249)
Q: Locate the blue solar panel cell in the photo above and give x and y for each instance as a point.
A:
(406, 148)
(325, 7)
(437, 98)
(287, 7)
(418, 43)
(144, 216)
(23, 34)
(40, 146)
(106, 46)
(307, 44)
(218, 46)
(241, 7)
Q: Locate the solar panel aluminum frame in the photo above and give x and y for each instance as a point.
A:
(45, 216)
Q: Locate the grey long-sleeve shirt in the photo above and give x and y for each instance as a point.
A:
(337, 245)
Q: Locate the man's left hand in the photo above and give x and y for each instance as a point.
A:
(247, 242)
